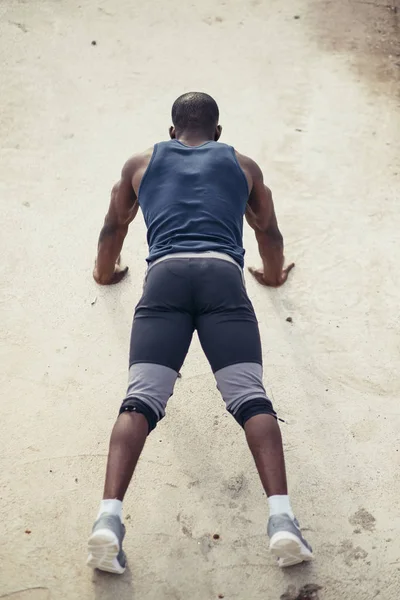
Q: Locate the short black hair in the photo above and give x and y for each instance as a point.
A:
(195, 111)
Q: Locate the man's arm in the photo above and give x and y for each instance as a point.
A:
(121, 212)
(260, 215)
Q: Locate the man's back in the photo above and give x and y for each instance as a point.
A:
(193, 199)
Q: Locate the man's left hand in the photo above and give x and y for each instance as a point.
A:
(117, 276)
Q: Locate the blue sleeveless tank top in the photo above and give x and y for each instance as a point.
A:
(193, 199)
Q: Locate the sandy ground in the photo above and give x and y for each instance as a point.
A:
(310, 90)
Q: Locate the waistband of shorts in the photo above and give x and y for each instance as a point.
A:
(207, 254)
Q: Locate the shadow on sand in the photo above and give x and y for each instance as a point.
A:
(113, 587)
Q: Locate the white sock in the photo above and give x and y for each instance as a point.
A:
(279, 505)
(111, 507)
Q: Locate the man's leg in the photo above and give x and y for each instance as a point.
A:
(265, 442)
(231, 341)
(161, 334)
(243, 391)
(126, 444)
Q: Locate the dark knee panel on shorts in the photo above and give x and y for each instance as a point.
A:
(251, 408)
(135, 405)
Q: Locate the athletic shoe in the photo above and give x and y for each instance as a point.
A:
(105, 545)
(287, 542)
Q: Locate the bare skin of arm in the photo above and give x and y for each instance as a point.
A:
(260, 215)
(121, 212)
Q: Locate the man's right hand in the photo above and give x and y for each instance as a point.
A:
(267, 280)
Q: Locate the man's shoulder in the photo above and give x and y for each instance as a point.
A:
(248, 164)
(137, 161)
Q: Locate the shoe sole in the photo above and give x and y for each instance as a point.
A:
(289, 549)
(103, 546)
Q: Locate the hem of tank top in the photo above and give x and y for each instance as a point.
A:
(206, 254)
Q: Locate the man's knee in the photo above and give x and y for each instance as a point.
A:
(251, 408)
(242, 389)
(149, 388)
(140, 407)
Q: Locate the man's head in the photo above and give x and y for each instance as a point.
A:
(195, 113)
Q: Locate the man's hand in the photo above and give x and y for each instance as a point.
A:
(266, 280)
(117, 276)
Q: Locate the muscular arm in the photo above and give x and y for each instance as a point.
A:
(260, 215)
(121, 212)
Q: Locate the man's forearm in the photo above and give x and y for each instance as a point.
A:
(270, 246)
(111, 240)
